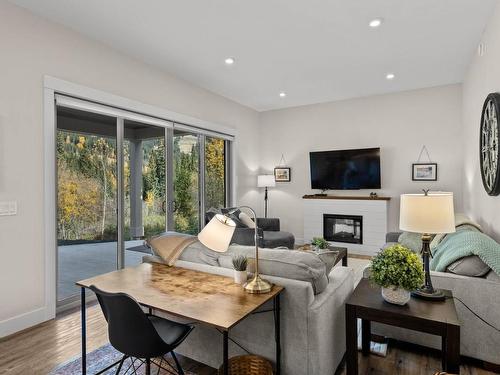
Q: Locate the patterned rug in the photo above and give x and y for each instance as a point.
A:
(102, 358)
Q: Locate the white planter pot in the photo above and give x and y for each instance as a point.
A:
(395, 295)
(240, 277)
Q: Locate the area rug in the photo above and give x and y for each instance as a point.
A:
(102, 358)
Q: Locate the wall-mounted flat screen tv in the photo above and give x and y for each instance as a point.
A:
(345, 169)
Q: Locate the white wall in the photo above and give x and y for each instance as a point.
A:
(32, 47)
(482, 78)
(398, 123)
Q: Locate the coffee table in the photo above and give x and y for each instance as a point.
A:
(437, 318)
(342, 254)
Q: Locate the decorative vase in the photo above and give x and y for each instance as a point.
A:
(396, 295)
(240, 277)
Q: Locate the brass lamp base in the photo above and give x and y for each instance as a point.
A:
(257, 286)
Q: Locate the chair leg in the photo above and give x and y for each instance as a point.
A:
(120, 364)
(148, 367)
(177, 364)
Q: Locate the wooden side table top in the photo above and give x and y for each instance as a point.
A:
(368, 297)
(203, 297)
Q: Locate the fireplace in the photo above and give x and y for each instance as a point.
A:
(343, 228)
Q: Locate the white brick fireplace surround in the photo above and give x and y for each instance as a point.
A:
(373, 211)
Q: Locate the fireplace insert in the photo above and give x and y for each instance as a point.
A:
(343, 228)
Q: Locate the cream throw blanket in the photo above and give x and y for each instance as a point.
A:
(170, 245)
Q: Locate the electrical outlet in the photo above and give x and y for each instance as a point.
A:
(8, 208)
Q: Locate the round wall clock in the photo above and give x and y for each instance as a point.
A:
(488, 144)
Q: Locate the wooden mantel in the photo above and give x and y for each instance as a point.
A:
(348, 197)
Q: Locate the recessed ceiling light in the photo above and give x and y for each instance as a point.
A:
(282, 94)
(390, 76)
(375, 22)
(229, 61)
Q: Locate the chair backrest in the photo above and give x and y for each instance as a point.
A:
(129, 328)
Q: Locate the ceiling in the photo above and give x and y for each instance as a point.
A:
(314, 50)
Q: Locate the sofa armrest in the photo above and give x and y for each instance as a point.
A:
(269, 224)
(392, 236)
(245, 236)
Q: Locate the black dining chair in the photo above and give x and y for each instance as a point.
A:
(139, 335)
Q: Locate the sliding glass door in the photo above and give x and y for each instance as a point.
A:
(87, 231)
(124, 177)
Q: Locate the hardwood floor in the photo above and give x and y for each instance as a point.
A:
(38, 350)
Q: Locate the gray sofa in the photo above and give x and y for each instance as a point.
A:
(312, 310)
(481, 294)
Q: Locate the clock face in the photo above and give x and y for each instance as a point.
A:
(489, 143)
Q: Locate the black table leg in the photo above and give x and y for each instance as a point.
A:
(344, 261)
(366, 336)
(277, 310)
(225, 355)
(451, 349)
(84, 332)
(351, 330)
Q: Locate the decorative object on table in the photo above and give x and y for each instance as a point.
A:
(249, 365)
(489, 142)
(240, 263)
(373, 195)
(319, 243)
(421, 171)
(282, 174)
(427, 214)
(265, 181)
(217, 234)
(398, 271)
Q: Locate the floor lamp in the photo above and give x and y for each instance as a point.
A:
(265, 181)
(427, 214)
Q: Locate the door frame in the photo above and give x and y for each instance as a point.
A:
(53, 86)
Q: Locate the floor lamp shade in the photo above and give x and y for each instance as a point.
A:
(430, 213)
(266, 180)
(217, 234)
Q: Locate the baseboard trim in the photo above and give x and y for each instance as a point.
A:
(23, 321)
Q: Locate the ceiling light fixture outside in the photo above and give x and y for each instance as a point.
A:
(229, 61)
(282, 94)
(390, 76)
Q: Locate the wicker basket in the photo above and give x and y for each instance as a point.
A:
(248, 365)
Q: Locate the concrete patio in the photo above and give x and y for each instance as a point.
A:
(78, 262)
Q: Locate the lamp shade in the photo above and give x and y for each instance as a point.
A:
(266, 180)
(430, 214)
(217, 234)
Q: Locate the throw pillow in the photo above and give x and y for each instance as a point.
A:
(247, 220)
(469, 266)
(412, 241)
(234, 216)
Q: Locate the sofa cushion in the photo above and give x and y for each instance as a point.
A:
(277, 239)
(412, 241)
(290, 264)
(492, 276)
(235, 216)
(247, 220)
(469, 266)
(199, 253)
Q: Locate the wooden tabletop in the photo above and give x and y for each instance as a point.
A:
(203, 297)
(368, 296)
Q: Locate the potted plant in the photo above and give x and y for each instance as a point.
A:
(398, 271)
(240, 269)
(319, 243)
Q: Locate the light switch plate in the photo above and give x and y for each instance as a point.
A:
(8, 208)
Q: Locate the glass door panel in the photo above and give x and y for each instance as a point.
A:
(215, 173)
(186, 160)
(145, 187)
(86, 198)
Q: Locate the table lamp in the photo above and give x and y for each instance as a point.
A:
(217, 234)
(266, 181)
(428, 214)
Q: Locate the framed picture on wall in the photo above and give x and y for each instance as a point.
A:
(282, 174)
(424, 172)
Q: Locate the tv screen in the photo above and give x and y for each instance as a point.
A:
(345, 169)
